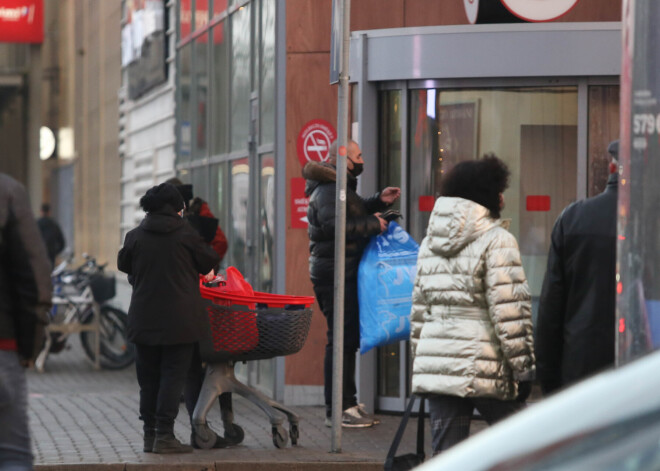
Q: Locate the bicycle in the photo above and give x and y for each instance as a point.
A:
(78, 295)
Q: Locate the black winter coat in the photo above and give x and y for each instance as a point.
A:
(25, 286)
(164, 257)
(576, 323)
(360, 222)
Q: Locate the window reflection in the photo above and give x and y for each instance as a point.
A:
(267, 69)
(240, 79)
(239, 213)
(266, 222)
(185, 115)
(201, 81)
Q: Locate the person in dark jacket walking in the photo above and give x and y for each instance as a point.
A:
(576, 322)
(163, 258)
(362, 221)
(51, 233)
(25, 296)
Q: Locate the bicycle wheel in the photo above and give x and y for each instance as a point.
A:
(116, 351)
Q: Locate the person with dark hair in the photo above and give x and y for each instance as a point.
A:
(471, 323)
(25, 297)
(163, 258)
(362, 222)
(51, 233)
(575, 329)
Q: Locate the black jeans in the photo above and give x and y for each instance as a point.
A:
(326, 297)
(451, 416)
(161, 373)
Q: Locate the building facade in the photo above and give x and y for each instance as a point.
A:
(246, 100)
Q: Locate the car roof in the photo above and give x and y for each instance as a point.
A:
(594, 404)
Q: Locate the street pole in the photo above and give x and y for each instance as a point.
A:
(340, 228)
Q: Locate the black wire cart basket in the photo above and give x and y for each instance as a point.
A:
(246, 328)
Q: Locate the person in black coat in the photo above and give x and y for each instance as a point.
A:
(51, 233)
(362, 222)
(575, 328)
(163, 258)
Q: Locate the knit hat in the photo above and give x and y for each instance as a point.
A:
(160, 195)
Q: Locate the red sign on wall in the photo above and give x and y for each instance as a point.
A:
(22, 21)
(314, 141)
(538, 203)
(299, 203)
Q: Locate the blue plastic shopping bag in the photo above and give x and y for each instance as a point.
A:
(385, 283)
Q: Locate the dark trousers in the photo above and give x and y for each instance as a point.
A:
(451, 417)
(325, 297)
(161, 373)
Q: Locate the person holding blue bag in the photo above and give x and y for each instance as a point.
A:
(471, 323)
(362, 221)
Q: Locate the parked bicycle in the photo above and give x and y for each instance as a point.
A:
(76, 295)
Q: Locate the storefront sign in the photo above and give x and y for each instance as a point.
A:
(539, 10)
(299, 203)
(22, 21)
(314, 141)
(509, 11)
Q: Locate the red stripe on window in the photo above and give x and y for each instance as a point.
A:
(538, 203)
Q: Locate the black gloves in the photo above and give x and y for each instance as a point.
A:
(524, 389)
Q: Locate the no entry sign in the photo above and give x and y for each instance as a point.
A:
(314, 141)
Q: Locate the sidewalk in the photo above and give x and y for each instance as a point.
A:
(83, 419)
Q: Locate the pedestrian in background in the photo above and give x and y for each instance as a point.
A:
(362, 221)
(471, 323)
(51, 233)
(163, 258)
(575, 329)
(25, 296)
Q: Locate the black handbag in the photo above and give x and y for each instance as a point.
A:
(409, 460)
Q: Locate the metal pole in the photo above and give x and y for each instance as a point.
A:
(340, 230)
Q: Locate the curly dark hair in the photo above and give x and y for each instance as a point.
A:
(480, 181)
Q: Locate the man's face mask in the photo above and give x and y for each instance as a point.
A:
(357, 168)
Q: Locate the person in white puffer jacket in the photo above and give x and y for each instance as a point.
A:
(471, 324)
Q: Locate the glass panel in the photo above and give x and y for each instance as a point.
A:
(185, 115)
(603, 129)
(201, 83)
(389, 175)
(220, 89)
(266, 222)
(217, 199)
(533, 130)
(185, 18)
(267, 69)
(240, 78)
(201, 14)
(239, 215)
(219, 6)
(199, 177)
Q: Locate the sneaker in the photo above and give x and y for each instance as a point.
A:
(328, 421)
(351, 418)
(149, 439)
(363, 412)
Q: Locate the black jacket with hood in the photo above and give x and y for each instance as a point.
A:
(576, 322)
(164, 257)
(360, 222)
(25, 286)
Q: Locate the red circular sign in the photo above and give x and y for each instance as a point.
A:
(314, 141)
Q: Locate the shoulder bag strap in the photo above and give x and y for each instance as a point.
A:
(420, 429)
(399, 434)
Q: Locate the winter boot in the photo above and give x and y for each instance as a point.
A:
(149, 438)
(167, 443)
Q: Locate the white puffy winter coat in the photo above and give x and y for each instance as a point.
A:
(471, 324)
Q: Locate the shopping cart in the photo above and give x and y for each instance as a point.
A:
(246, 327)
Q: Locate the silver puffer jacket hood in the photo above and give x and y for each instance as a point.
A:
(471, 328)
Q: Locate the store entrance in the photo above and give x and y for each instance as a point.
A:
(535, 130)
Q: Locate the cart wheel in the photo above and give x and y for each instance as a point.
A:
(280, 437)
(294, 433)
(204, 437)
(234, 434)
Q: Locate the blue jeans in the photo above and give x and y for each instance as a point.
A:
(15, 448)
(451, 416)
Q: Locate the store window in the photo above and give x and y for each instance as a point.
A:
(184, 67)
(220, 98)
(241, 85)
(240, 190)
(267, 69)
(603, 129)
(201, 84)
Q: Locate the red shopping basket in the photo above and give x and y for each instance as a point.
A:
(253, 327)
